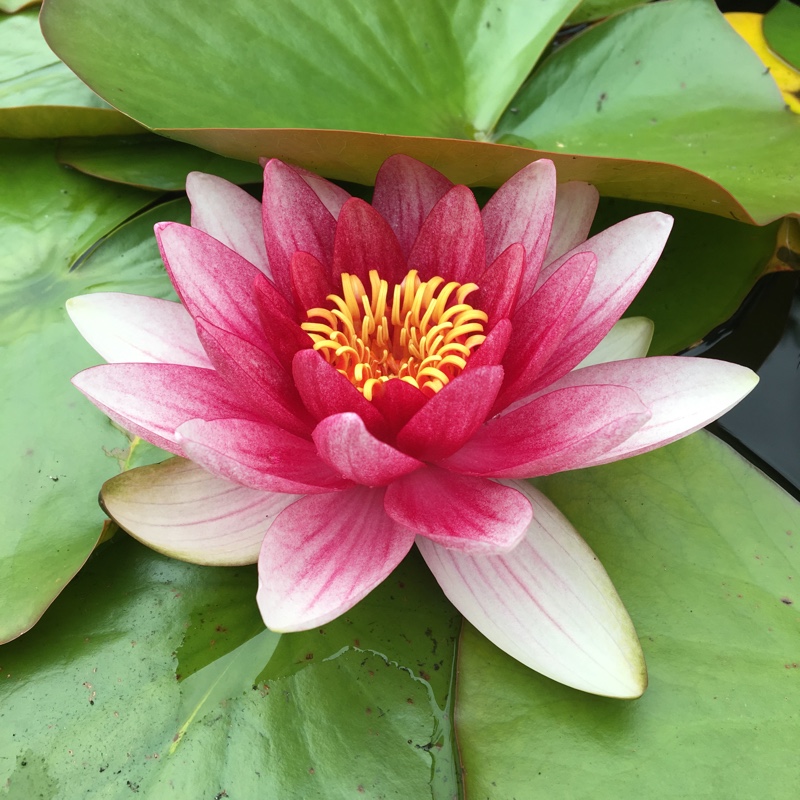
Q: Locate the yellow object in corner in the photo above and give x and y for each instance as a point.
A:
(751, 28)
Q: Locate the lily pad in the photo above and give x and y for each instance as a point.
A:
(782, 31)
(91, 704)
(40, 96)
(668, 82)
(58, 449)
(702, 548)
(430, 69)
(150, 162)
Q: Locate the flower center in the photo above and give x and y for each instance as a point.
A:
(423, 334)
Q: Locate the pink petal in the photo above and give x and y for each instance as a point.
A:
(325, 391)
(179, 509)
(294, 219)
(344, 442)
(333, 197)
(258, 455)
(472, 515)
(540, 325)
(450, 243)
(521, 210)
(500, 284)
(548, 603)
(405, 192)
(261, 383)
(626, 254)
(397, 401)
(154, 400)
(282, 332)
(629, 338)
(452, 415)
(214, 282)
(129, 328)
(576, 204)
(324, 554)
(560, 430)
(229, 214)
(683, 395)
(494, 347)
(364, 241)
(311, 283)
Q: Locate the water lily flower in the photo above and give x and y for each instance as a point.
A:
(342, 379)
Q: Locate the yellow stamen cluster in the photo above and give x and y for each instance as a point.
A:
(423, 334)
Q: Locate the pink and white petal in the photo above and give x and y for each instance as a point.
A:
(629, 338)
(472, 515)
(451, 243)
(258, 455)
(333, 197)
(500, 284)
(179, 509)
(229, 214)
(521, 210)
(560, 430)
(540, 325)
(451, 416)
(154, 400)
(548, 603)
(127, 328)
(405, 192)
(626, 254)
(261, 383)
(683, 395)
(212, 281)
(576, 204)
(325, 391)
(324, 554)
(364, 241)
(344, 442)
(294, 218)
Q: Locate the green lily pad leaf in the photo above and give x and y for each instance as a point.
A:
(58, 449)
(40, 96)
(648, 84)
(91, 703)
(355, 156)
(707, 268)
(782, 31)
(703, 550)
(432, 69)
(590, 10)
(150, 162)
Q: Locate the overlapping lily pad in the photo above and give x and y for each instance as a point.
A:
(151, 162)
(58, 449)
(253, 80)
(703, 550)
(782, 31)
(668, 82)
(90, 701)
(39, 95)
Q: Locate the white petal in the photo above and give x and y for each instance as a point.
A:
(127, 328)
(548, 603)
(629, 338)
(576, 204)
(181, 510)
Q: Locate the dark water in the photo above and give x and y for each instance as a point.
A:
(765, 336)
